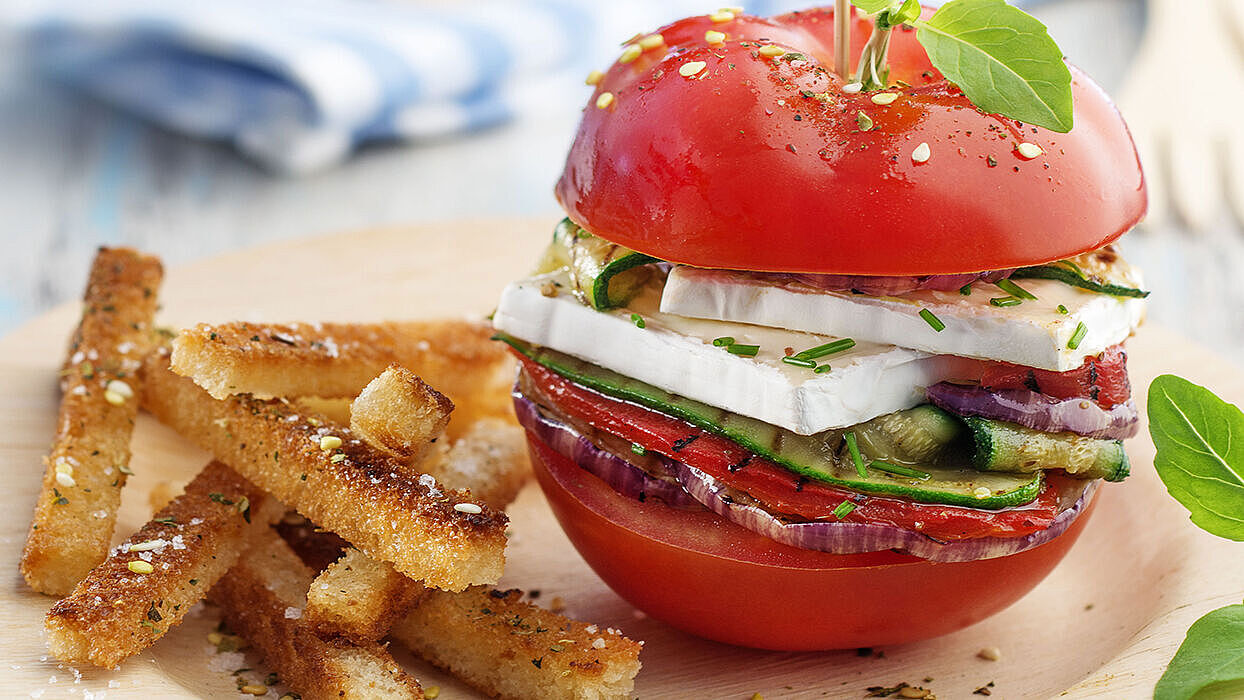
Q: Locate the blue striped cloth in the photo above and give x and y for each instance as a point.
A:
(298, 84)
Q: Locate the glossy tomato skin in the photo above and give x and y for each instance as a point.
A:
(706, 576)
(760, 163)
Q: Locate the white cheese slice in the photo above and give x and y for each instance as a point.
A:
(1033, 333)
(677, 354)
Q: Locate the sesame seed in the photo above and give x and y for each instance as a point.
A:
(62, 467)
(721, 16)
(921, 153)
(114, 398)
(714, 37)
(65, 480)
(146, 546)
(990, 653)
(772, 51)
(253, 689)
(337, 458)
(980, 492)
(594, 78)
(1028, 151)
(652, 41)
(329, 442)
(468, 508)
(630, 53)
(884, 98)
(605, 99)
(432, 692)
(120, 387)
(852, 88)
(691, 69)
(140, 567)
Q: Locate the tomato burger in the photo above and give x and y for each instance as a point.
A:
(822, 361)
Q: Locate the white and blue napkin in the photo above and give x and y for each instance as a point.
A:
(298, 84)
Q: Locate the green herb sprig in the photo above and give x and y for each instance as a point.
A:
(1200, 457)
(1000, 56)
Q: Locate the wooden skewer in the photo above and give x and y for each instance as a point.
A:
(842, 39)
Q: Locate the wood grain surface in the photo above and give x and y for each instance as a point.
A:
(1104, 624)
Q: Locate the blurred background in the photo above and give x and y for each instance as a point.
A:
(188, 128)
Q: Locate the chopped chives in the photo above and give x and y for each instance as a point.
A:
(744, 350)
(1062, 309)
(822, 369)
(844, 509)
(932, 320)
(1005, 301)
(1014, 290)
(854, 448)
(1073, 267)
(638, 320)
(723, 341)
(799, 361)
(1077, 336)
(966, 289)
(827, 349)
(638, 449)
(900, 470)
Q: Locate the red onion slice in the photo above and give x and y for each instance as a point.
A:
(884, 286)
(856, 538)
(625, 478)
(1038, 411)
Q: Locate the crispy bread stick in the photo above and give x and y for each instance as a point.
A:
(336, 360)
(77, 507)
(400, 415)
(490, 459)
(512, 649)
(338, 481)
(359, 598)
(151, 581)
(262, 597)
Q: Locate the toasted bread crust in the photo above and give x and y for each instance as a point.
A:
(512, 649)
(353, 490)
(400, 415)
(336, 360)
(77, 508)
(115, 612)
(359, 598)
(262, 597)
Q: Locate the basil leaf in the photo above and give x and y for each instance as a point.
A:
(1200, 442)
(1210, 662)
(1003, 60)
(872, 7)
(909, 12)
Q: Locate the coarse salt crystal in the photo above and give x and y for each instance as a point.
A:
(292, 613)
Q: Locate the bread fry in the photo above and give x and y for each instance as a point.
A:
(336, 360)
(490, 459)
(120, 608)
(400, 415)
(262, 598)
(512, 649)
(361, 598)
(358, 598)
(440, 537)
(86, 468)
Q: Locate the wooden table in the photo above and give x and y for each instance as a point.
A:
(1104, 624)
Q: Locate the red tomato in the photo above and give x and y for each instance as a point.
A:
(759, 163)
(1102, 379)
(779, 488)
(704, 575)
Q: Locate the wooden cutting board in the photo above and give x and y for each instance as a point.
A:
(1104, 624)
